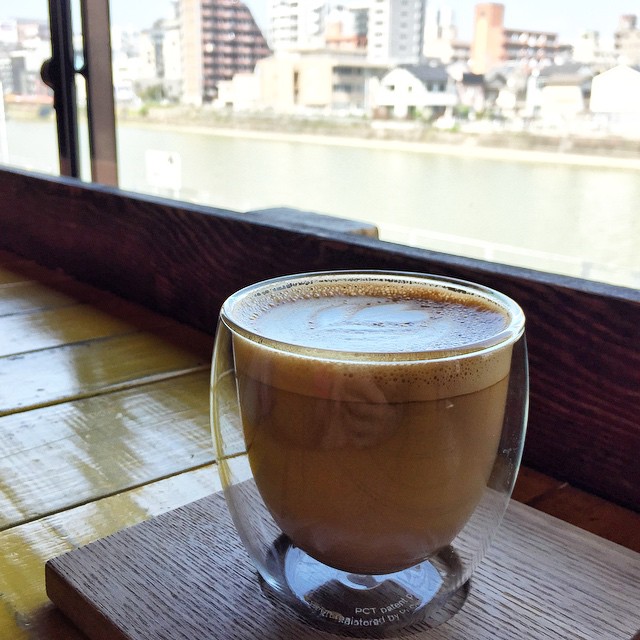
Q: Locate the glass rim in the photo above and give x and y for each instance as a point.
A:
(508, 335)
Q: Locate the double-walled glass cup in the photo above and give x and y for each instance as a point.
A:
(369, 428)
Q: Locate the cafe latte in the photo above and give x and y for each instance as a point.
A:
(371, 413)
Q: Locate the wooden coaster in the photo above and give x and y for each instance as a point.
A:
(185, 576)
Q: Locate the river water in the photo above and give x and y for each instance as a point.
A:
(576, 220)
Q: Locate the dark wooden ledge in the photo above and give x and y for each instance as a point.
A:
(183, 260)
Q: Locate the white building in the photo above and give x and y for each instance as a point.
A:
(307, 80)
(409, 91)
(616, 93)
(172, 60)
(192, 51)
(396, 31)
(627, 40)
(293, 24)
(8, 31)
(439, 33)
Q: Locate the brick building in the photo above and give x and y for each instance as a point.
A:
(494, 45)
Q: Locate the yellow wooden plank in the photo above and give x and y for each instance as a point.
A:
(26, 297)
(68, 372)
(101, 445)
(25, 549)
(47, 328)
(9, 624)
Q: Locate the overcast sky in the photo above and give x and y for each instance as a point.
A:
(565, 17)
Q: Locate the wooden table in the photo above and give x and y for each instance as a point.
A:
(104, 424)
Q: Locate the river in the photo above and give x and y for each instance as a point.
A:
(576, 220)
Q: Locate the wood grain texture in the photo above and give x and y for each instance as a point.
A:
(68, 372)
(25, 610)
(591, 513)
(584, 338)
(532, 485)
(14, 269)
(184, 576)
(43, 329)
(25, 297)
(101, 445)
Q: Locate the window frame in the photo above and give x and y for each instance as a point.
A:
(59, 72)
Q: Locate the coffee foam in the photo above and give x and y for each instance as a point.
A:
(366, 326)
(371, 382)
(372, 317)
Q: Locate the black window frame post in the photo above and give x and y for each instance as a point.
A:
(59, 73)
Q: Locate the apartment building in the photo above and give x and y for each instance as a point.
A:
(293, 24)
(396, 31)
(493, 44)
(626, 40)
(441, 35)
(219, 39)
(313, 24)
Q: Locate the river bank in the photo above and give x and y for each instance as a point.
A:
(496, 142)
(493, 141)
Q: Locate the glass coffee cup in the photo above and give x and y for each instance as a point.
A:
(369, 428)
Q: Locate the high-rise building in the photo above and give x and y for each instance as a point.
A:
(219, 39)
(493, 44)
(486, 46)
(159, 57)
(396, 29)
(294, 24)
(626, 40)
(438, 24)
(441, 36)
(314, 24)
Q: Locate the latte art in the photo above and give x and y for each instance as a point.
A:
(369, 321)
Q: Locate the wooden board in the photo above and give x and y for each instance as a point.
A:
(184, 575)
(67, 372)
(591, 513)
(101, 445)
(25, 610)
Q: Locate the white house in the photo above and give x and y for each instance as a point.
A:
(409, 90)
(616, 91)
(615, 100)
(563, 90)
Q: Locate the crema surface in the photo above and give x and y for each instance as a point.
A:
(372, 317)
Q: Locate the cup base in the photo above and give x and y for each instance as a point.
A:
(372, 605)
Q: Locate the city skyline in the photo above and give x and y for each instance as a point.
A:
(568, 20)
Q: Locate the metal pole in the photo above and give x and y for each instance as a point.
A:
(59, 73)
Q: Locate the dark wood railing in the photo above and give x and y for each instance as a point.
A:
(183, 260)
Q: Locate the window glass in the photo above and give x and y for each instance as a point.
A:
(516, 145)
(27, 120)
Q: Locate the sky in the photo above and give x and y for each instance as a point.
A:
(565, 17)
